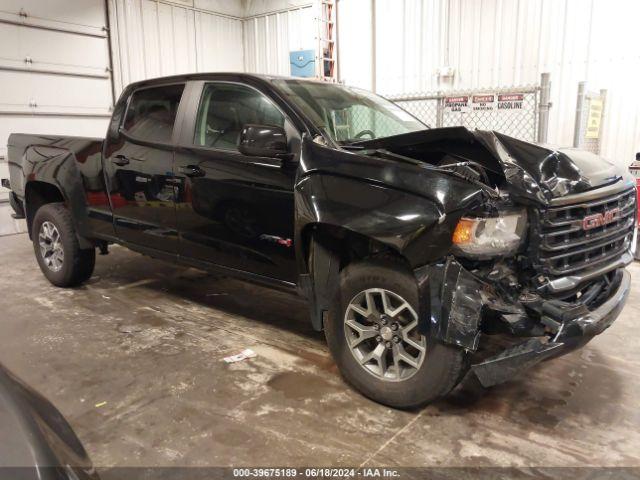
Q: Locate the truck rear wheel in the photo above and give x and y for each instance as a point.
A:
(372, 332)
(57, 250)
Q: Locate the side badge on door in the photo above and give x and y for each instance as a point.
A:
(285, 242)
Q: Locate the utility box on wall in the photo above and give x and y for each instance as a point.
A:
(303, 63)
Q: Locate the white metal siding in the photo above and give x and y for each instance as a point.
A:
(269, 38)
(504, 43)
(152, 39)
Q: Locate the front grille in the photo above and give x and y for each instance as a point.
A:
(563, 247)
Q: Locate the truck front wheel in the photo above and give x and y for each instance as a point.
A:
(56, 246)
(372, 332)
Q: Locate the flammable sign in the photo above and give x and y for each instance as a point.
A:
(459, 103)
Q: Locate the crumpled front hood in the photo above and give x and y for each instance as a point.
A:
(542, 173)
(533, 172)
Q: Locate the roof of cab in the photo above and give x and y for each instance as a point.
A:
(216, 75)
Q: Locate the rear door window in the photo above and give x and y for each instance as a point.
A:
(152, 113)
(226, 108)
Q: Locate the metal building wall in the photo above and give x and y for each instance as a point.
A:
(504, 43)
(152, 38)
(269, 37)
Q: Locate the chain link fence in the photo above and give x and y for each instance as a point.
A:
(520, 112)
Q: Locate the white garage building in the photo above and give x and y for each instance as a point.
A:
(73, 59)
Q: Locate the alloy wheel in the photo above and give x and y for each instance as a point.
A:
(51, 246)
(381, 329)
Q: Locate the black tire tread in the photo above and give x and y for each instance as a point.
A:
(450, 362)
(82, 260)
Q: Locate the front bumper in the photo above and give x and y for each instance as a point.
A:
(572, 333)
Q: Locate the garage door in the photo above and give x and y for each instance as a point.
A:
(54, 70)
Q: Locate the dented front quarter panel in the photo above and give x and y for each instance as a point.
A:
(410, 209)
(414, 209)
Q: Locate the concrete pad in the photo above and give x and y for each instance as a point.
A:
(134, 360)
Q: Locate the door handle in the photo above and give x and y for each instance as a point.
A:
(191, 171)
(120, 160)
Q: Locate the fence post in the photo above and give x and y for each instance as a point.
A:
(440, 111)
(543, 107)
(577, 127)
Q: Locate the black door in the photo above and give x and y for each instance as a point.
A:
(139, 166)
(237, 210)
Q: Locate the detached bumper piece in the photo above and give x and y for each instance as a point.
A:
(571, 334)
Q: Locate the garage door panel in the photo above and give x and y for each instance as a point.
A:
(4, 173)
(63, 14)
(49, 93)
(52, 51)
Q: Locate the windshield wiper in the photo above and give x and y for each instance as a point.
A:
(350, 144)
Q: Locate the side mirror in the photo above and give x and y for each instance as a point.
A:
(263, 141)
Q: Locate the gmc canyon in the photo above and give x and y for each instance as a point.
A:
(413, 245)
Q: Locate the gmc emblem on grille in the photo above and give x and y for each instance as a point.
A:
(600, 219)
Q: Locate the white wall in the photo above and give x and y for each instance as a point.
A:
(269, 37)
(354, 43)
(493, 43)
(152, 38)
(252, 8)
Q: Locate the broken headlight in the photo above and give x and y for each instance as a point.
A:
(490, 236)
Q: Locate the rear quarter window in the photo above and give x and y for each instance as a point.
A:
(151, 113)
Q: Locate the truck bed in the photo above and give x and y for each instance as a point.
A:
(32, 157)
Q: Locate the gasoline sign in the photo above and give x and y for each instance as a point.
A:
(510, 101)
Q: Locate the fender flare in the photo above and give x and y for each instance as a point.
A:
(59, 170)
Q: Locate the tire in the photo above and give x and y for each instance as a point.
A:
(441, 366)
(76, 264)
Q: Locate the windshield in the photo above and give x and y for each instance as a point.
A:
(348, 114)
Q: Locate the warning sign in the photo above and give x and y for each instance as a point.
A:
(457, 104)
(594, 118)
(510, 101)
(483, 102)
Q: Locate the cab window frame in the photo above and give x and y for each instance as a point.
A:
(190, 123)
(175, 131)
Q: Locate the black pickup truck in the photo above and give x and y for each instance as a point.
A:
(411, 244)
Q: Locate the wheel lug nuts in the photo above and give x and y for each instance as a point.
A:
(376, 326)
(396, 339)
(394, 326)
(388, 344)
(384, 321)
(378, 339)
